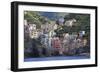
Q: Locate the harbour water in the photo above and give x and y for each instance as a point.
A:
(55, 58)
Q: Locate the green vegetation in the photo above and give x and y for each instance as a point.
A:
(82, 24)
(34, 17)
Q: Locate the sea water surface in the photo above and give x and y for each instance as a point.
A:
(55, 58)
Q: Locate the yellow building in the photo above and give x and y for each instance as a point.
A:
(34, 34)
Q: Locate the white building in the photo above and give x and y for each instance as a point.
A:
(55, 26)
(70, 22)
(32, 27)
(33, 33)
(25, 22)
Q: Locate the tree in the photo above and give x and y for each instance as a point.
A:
(34, 17)
(82, 21)
(82, 24)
